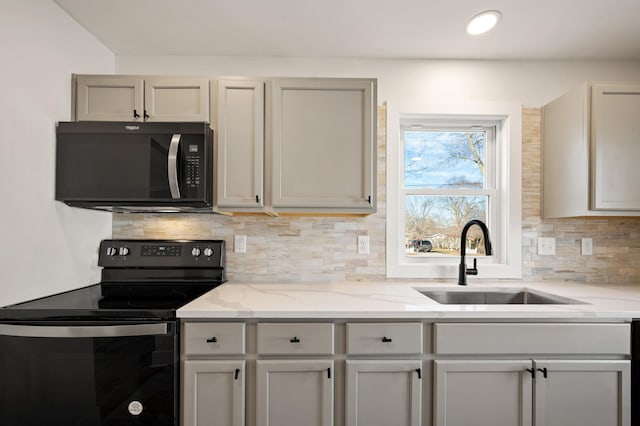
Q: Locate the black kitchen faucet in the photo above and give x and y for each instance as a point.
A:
(463, 271)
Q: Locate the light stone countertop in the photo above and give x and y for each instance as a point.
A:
(401, 300)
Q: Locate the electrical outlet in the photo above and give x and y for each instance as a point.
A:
(587, 246)
(363, 244)
(546, 246)
(240, 244)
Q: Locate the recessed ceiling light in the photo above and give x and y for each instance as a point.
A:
(483, 22)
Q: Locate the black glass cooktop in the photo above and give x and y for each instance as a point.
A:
(95, 303)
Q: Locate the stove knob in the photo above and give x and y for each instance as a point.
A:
(111, 251)
(195, 251)
(208, 251)
(124, 251)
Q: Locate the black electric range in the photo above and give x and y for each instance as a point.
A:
(141, 280)
(106, 354)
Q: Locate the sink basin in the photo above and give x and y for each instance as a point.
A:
(496, 296)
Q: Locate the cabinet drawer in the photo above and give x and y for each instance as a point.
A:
(384, 338)
(533, 339)
(214, 338)
(295, 339)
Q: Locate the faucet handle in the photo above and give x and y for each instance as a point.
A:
(474, 270)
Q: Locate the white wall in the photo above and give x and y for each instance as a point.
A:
(533, 83)
(45, 246)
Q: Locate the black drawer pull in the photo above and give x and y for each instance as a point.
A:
(543, 371)
(329, 372)
(237, 373)
(212, 340)
(533, 372)
(386, 339)
(419, 371)
(295, 340)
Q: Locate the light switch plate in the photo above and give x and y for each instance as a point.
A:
(546, 246)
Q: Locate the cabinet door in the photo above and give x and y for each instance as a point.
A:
(103, 98)
(323, 140)
(483, 393)
(176, 99)
(240, 143)
(383, 393)
(582, 393)
(213, 393)
(615, 147)
(294, 392)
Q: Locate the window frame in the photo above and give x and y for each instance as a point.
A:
(506, 222)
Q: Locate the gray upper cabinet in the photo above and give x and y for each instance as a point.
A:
(615, 133)
(137, 98)
(323, 139)
(240, 135)
(590, 147)
(109, 98)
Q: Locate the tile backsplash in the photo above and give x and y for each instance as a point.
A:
(301, 248)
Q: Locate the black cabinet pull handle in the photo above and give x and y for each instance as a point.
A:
(533, 372)
(369, 199)
(386, 339)
(543, 371)
(295, 340)
(135, 114)
(145, 114)
(419, 371)
(257, 199)
(212, 340)
(237, 373)
(329, 372)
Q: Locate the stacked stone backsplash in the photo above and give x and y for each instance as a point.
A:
(321, 249)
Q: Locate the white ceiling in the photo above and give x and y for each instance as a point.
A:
(533, 29)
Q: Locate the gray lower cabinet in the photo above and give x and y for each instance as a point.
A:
(483, 393)
(214, 393)
(214, 374)
(532, 374)
(294, 392)
(383, 393)
(532, 392)
(582, 393)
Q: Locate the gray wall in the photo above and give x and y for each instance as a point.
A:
(45, 247)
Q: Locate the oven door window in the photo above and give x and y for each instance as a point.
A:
(89, 381)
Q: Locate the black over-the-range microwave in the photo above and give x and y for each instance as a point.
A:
(134, 166)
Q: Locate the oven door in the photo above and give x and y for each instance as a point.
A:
(89, 375)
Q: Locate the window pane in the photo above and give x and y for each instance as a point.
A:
(434, 224)
(444, 160)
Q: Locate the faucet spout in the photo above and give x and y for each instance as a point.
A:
(462, 270)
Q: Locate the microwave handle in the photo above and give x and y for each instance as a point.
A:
(172, 165)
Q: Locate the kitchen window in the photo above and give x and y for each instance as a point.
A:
(446, 169)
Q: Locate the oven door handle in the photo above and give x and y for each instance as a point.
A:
(84, 331)
(172, 166)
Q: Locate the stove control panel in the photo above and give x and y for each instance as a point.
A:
(162, 253)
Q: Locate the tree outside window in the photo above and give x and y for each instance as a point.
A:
(445, 186)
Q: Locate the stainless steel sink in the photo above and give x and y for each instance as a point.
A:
(496, 296)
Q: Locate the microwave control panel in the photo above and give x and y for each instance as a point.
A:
(193, 177)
